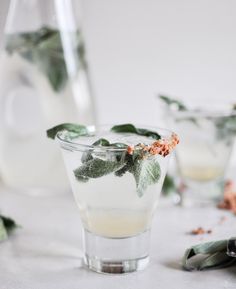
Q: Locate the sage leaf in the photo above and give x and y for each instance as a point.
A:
(77, 129)
(210, 255)
(168, 185)
(146, 172)
(7, 225)
(87, 156)
(130, 128)
(173, 102)
(128, 166)
(3, 231)
(44, 48)
(96, 168)
(179, 106)
(102, 142)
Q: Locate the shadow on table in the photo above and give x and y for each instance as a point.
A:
(173, 264)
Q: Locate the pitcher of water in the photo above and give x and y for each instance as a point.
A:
(44, 81)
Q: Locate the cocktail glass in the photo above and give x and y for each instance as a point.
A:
(116, 208)
(207, 138)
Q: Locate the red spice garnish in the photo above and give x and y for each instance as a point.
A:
(162, 146)
(229, 201)
(130, 150)
(200, 231)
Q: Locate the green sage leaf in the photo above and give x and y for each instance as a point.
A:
(77, 129)
(96, 168)
(210, 255)
(173, 102)
(3, 231)
(146, 172)
(168, 185)
(9, 224)
(44, 48)
(130, 128)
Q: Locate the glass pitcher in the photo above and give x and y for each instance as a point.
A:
(44, 82)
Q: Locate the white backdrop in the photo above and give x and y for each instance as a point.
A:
(137, 48)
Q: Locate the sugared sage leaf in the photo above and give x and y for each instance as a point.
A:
(77, 129)
(130, 128)
(96, 168)
(173, 102)
(146, 172)
(44, 48)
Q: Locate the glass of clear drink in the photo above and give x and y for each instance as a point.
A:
(116, 188)
(207, 138)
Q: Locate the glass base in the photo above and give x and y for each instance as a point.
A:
(201, 193)
(116, 255)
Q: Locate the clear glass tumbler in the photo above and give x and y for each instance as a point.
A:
(207, 138)
(116, 202)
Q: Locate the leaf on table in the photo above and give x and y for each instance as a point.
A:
(210, 255)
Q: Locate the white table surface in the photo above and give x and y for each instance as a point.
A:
(46, 252)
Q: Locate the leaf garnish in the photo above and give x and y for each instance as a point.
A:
(44, 48)
(146, 172)
(77, 129)
(7, 225)
(130, 128)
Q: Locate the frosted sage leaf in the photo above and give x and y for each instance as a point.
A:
(96, 168)
(211, 255)
(130, 128)
(179, 106)
(146, 172)
(101, 142)
(226, 126)
(128, 166)
(129, 163)
(173, 102)
(44, 48)
(86, 156)
(77, 129)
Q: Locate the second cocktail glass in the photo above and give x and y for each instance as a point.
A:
(207, 138)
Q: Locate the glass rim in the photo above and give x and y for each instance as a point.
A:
(72, 145)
